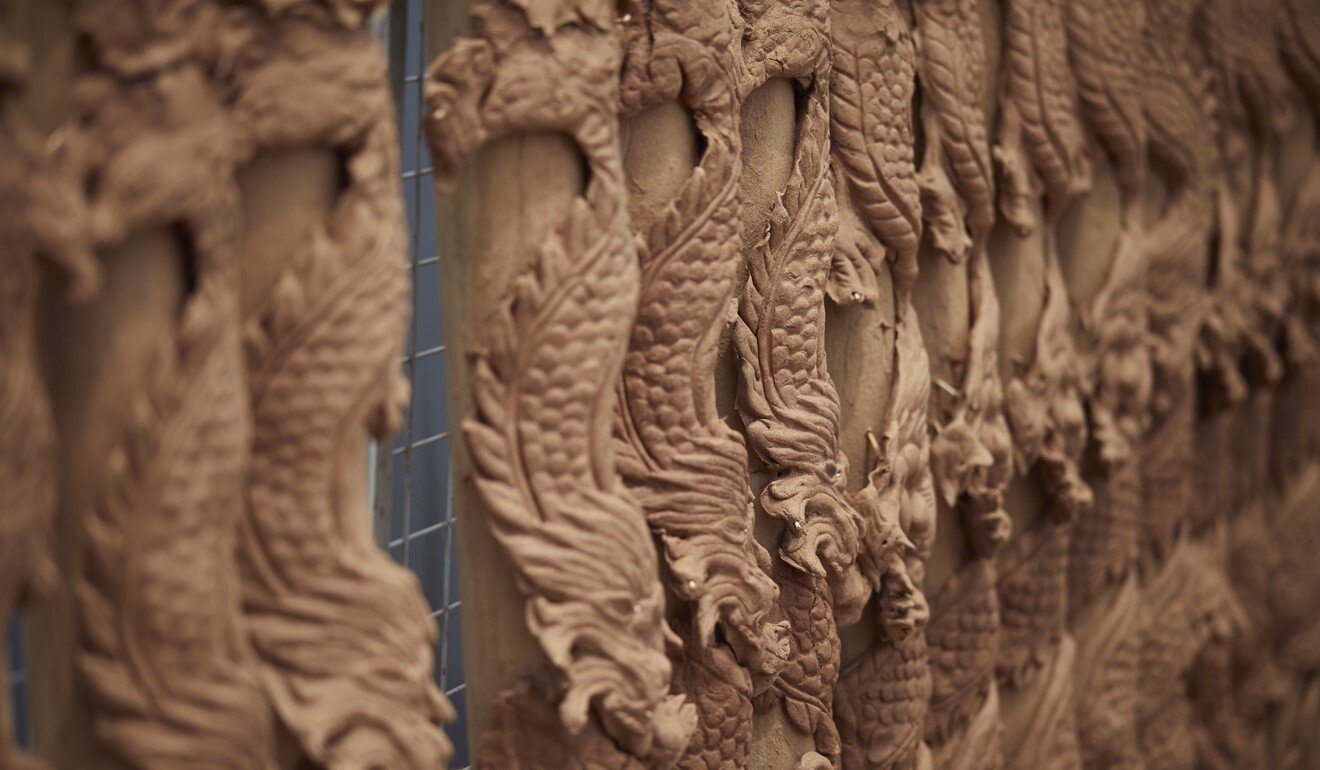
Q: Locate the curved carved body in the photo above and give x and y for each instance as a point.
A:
(881, 701)
(540, 435)
(971, 453)
(343, 634)
(166, 673)
(684, 464)
(786, 398)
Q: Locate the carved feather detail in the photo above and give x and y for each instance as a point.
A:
(872, 82)
(684, 464)
(544, 383)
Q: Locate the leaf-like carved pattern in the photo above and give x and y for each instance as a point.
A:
(1039, 138)
(42, 215)
(168, 677)
(545, 378)
(684, 464)
(972, 463)
(343, 634)
(957, 182)
(786, 399)
(882, 698)
(872, 82)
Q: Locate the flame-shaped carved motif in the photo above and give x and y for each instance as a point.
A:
(684, 464)
(545, 378)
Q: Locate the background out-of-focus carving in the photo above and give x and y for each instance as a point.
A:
(905, 384)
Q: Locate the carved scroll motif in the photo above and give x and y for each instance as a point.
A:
(881, 700)
(540, 437)
(343, 634)
(684, 465)
(167, 673)
(786, 398)
(971, 453)
(41, 216)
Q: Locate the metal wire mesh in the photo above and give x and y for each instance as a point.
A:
(413, 485)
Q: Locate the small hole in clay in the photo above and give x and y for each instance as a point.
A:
(187, 255)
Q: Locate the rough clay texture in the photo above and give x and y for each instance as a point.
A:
(655, 436)
(1089, 626)
(226, 592)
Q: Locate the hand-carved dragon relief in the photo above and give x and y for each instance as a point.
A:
(1252, 111)
(971, 453)
(957, 183)
(786, 398)
(1176, 249)
(1106, 50)
(881, 700)
(684, 465)
(343, 634)
(1041, 156)
(168, 676)
(972, 464)
(882, 697)
(540, 437)
(1188, 599)
(1188, 605)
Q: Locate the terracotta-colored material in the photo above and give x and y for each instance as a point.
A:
(786, 398)
(540, 438)
(880, 703)
(1041, 274)
(176, 490)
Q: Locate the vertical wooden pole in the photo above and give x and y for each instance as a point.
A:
(508, 199)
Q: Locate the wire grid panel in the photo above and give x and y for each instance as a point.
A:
(414, 512)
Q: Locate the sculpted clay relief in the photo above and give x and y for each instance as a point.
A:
(1038, 274)
(207, 502)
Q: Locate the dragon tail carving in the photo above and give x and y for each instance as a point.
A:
(543, 384)
(169, 678)
(786, 399)
(343, 634)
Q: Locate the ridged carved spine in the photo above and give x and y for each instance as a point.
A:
(545, 376)
(786, 399)
(342, 632)
(685, 465)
